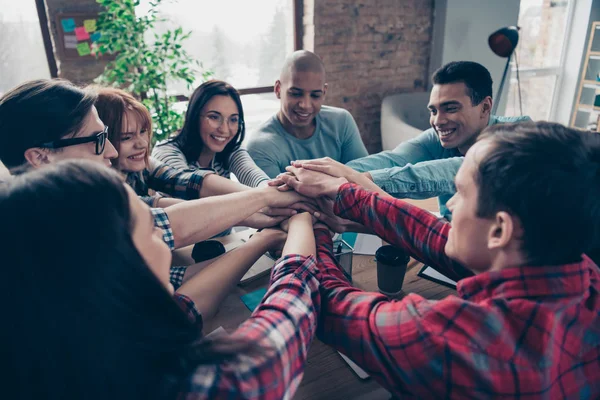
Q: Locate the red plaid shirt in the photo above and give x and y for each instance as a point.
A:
(523, 332)
(284, 323)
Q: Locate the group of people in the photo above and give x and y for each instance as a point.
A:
(92, 212)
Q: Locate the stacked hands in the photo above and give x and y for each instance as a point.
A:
(318, 182)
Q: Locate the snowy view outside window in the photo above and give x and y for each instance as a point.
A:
(22, 55)
(243, 42)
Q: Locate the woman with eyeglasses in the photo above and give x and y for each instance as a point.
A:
(130, 130)
(110, 326)
(211, 137)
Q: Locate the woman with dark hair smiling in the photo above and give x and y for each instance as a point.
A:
(211, 136)
(110, 326)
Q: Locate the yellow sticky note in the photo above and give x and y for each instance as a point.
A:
(89, 25)
(84, 49)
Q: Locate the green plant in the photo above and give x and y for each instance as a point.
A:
(142, 66)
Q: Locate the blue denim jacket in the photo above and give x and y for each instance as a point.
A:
(419, 168)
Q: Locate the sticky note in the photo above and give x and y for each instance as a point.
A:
(70, 42)
(68, 24)
(95, 36)
(89, 25)
(253, 299)
(81, 33)
(84, 49)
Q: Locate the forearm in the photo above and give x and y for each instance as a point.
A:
(283, 325)
(196, 220)
(209, 287)
(166, 202)
(419, 232)
(301, 239)
(215, 185)
(175, 182)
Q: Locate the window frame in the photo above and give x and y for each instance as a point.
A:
(298, 12)
(558, 71)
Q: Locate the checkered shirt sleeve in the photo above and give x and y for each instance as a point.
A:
(161, 220)
(174, 182)
(284, 324)
(522, 332)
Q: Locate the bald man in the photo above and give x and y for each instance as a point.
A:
(304, 128)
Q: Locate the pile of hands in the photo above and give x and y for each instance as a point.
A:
(315, 184)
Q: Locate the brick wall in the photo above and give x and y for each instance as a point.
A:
(371, 49)
(81, 71)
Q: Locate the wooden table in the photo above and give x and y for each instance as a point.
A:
(326, 375)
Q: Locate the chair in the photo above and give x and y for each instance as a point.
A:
(403, 116)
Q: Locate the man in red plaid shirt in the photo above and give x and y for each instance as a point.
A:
(527, 323)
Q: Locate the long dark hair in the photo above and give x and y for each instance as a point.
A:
(40, 111)
(189, 140)
(86, 317)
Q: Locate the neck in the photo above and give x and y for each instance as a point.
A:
(206, 157)
(299, 132)
(507, 259)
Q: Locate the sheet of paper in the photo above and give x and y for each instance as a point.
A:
(81, 33)
(95, 36)
(233, 245)
(432, 273)
(70, 42)
(68, 24)
(357, 370)
(83, 49)
(217, 332)
(261, 267)
(89, 25)
(367, 244)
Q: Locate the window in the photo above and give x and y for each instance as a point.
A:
(243, 42)
(22, 54)
(539, 54)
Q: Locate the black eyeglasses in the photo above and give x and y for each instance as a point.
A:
(99, 138)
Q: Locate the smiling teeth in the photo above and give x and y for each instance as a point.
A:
(218, 138)
(446, 133)
(140, 157)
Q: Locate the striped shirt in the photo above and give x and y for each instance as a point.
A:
(240, 164)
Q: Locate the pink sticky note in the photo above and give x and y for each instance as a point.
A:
(81, 33)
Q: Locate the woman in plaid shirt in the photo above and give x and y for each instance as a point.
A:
(91, 312)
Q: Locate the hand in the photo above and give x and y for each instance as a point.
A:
(278, 199)
(327, 166)
(279, 183)
(260, 220)
(333, 222)
(312, 184)
(276, 239)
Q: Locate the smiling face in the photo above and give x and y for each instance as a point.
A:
(302, 94)
(456, 121)
(219, 122)
(148, 240)
(468, 237)
(134, 144)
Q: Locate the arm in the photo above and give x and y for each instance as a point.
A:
(195, 220)
(399, 343)
(283, 326)
(352, 146)
(174, 182)
(171, 155)
(410, 152)
(209, 287)
(419, 181)
(246, 170)
(419, 232)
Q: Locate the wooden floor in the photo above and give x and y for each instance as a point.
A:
(326, 375)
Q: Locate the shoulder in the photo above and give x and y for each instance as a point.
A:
(335, 113)
(166, 146)
(498, 119)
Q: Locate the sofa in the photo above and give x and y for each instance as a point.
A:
(403, 116)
